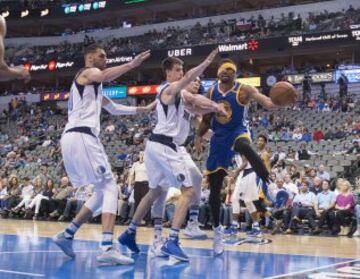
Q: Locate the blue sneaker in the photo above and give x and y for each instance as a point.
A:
(231, 231)
(255, 232)
(65, 244)
(129, 240)
(172, 249)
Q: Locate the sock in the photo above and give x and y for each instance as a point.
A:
(71, 230)
(235, 224)
(255, 225)
(194, 213)
(132, 228)
(107, 241)
(157, 228)
(174, 234)
(267, 221)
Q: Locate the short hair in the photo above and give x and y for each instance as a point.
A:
(263, 137)
(91, 49)
(169, 62)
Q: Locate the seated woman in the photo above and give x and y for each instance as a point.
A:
(344, 213)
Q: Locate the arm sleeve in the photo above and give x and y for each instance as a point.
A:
(118, 109)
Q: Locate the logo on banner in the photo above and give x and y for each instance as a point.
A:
(356, 34)
(295, 41)
(119, 59)
(180, 52)
(252, 45)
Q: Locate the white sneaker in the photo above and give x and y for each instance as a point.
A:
(65, 244)
(357, 233)
(155, 249)
(193, 231)
(113, 257)
(218, 244)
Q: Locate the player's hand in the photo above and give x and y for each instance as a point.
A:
(199, 145)
(212, 56)
(21, 73)
(150, 107)
(140, 58)
(220, 109)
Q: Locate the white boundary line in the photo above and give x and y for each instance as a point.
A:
(311, 269)
(22, 273)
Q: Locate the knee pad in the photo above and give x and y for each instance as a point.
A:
(250, 206)
(157, 209)
(110, 200)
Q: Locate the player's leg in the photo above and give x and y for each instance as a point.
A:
(128, 237)
(216, 182)
(192, 229)
(2, 37)
(157, 212)
(252, 206)
(235, 203)
(242, 146)
(171, 246)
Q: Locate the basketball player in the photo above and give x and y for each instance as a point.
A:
(9, 73)
(251, 190)
(84, 156)
(163, 157)
(229, 134)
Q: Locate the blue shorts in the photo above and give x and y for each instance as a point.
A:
(221, 150)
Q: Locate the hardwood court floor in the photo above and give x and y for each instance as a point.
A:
(26, 250)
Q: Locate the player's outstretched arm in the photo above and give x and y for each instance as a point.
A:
(119, 109)
(168, 96)
(9, 73)
(109, 74)
(254, 94)
(201, 105)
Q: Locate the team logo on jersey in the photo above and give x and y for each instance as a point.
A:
(221, 118)
(180, 178)
(101, 170)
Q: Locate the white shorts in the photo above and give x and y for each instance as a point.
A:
(247, 188)
(167, 167)
(85, 159)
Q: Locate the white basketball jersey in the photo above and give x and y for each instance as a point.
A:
(84, 106)
(173, 120)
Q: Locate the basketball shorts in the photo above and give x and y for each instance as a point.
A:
(248, 186)
(221, 150)
(168, 166)
(85, 159)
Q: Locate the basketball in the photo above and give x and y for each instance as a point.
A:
(283, 93)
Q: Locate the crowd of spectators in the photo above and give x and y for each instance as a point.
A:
(230, 31)
(34, 184)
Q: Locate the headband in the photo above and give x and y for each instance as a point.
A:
(227, 65)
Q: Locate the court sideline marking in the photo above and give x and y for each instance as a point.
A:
(22, 273)
(311, 269)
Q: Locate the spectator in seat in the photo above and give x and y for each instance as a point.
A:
(204, 208)
(27, 193)
(344, 213)
(322, 174)
(303, 153)
(172, 197)
(14, 192)
(355, 149)
(326, 204)
(280, 211)
(75, 203)
(316, 186)
(304, 207)
(45, 193)
(306, 137)
(290, 186)
(4, 194)
(318, 135)
(329, 134)
(58, 202)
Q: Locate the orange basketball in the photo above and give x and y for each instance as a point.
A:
(283, 93)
